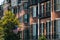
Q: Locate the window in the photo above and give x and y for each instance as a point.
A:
(48, 8)
(26, 18)
(35, 11)
(42, 10)
(26, 34)
(48, 5)
(41, 28)
(19, 1)
(21, 19)
(48, 29)
(34, 1)
(5, 1)
(20, 35)
(35, 31)
(8, 1)
(57, 5)
(57, 29)
(14, 10)
(14, 3)
(25, 5)
(20, 8)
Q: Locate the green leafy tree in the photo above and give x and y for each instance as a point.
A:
(42, 37)
(7, 24)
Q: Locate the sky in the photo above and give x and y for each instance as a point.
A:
(1, 1)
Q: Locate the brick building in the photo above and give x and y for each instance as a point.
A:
(27, 12)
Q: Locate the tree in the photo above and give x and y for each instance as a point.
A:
(9, 22)
(42, 37)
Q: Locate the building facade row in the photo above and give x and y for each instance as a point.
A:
(27, 12)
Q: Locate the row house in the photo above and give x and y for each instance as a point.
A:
(27, 12)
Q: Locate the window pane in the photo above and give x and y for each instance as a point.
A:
(34, 11)
(42, 10)
(48, 29)
(57, 5)
(48, 5)
(19, 1)
(58, 28)
(25, 5)
(34, 30)
(21, 19)
(14, 10)
(41, 28)
(13, 3)
(25, 18)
